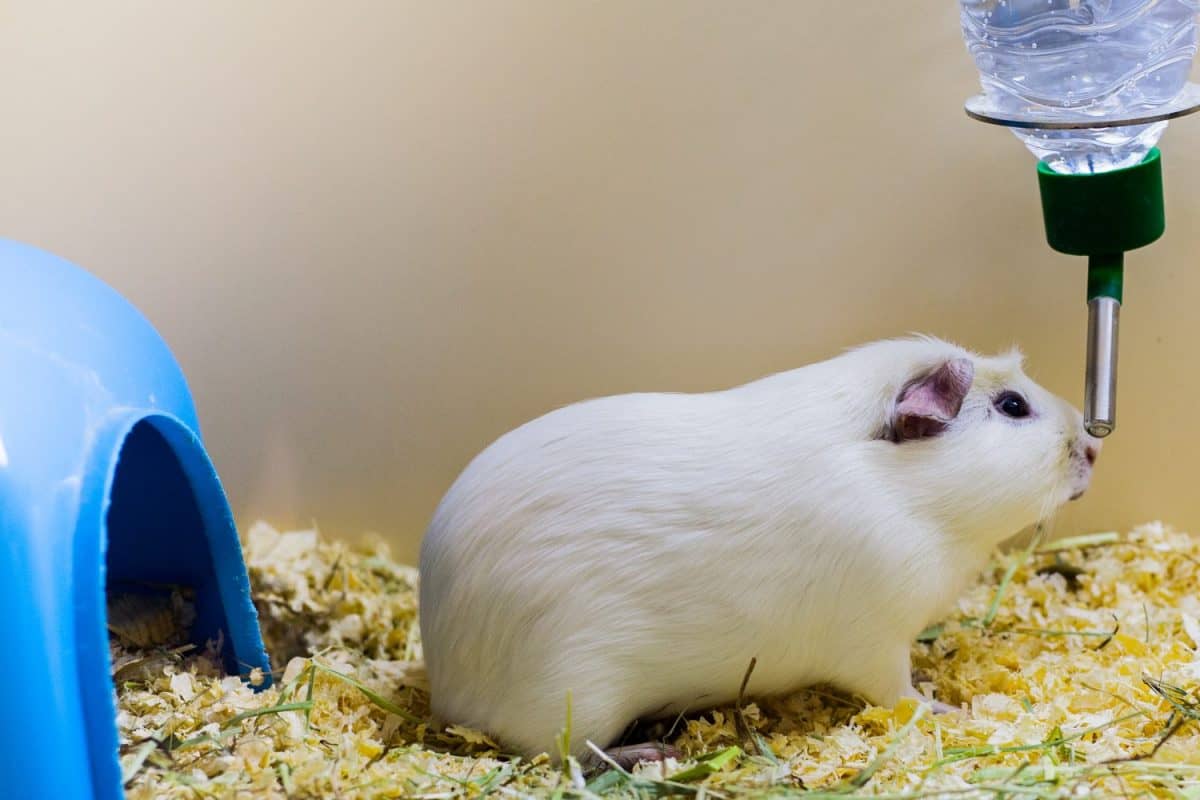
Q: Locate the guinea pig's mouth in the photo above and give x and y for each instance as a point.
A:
(1080, 482)
(1083, 459)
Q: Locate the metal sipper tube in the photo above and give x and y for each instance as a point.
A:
(1100, 387)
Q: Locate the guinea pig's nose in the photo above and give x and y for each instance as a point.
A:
(1087, 448)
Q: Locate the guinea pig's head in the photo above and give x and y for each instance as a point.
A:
(979, 444)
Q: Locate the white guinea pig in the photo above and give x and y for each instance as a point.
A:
(637, 551)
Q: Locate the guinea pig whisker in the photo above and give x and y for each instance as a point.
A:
(1049, 512)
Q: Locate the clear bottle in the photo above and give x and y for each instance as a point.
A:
(1107, 59)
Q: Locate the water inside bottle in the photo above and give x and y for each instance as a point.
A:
(1108, 59)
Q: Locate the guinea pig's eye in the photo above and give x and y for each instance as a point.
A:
(1011, 404)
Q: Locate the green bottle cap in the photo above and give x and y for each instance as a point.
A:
(1102, 215)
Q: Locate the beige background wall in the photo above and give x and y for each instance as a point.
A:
(379, 234)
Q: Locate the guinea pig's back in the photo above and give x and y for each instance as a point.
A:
(580, 462)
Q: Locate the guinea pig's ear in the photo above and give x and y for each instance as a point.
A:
(927, 405)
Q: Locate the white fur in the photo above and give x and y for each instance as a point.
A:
(637, 551)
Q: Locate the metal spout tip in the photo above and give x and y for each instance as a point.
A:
(1100, 387)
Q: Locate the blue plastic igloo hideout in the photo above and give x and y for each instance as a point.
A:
(104, 481)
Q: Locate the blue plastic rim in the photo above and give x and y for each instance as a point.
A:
(104, 480)
(162, 519)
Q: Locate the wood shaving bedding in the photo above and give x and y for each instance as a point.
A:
(1077, 664)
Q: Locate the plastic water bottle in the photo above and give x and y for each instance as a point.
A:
(1108, 59)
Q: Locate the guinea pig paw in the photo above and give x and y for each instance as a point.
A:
(936, 706)
(939, 707)
(630, 755)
